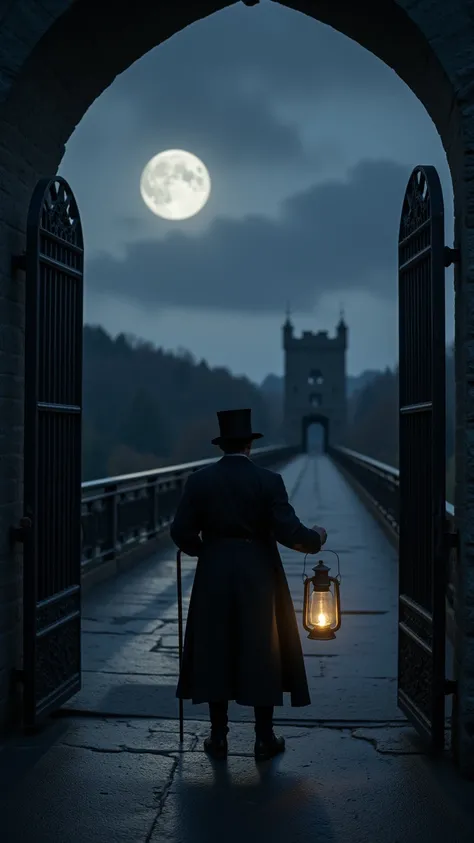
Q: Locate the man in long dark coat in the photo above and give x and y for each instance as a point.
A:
(242, 641)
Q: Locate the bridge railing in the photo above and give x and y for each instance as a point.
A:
(379, 484)
(120, 514)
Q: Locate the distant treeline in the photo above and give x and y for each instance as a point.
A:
(145, 407)
(373, 416)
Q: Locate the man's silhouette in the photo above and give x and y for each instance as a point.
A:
(242, 641)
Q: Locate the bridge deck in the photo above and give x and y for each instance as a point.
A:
(122, 779)
(130, 641)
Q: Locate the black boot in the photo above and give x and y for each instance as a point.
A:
(216, 747)
(267, 745)
(216, 744)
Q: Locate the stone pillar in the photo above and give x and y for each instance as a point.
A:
(463, 706)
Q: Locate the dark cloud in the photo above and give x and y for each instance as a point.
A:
(269, 47)
(336, 236)
(225, 127)
(217, 86)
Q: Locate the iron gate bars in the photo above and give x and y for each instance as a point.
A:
(52, 451)
(422, 457)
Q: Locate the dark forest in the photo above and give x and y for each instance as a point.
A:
(145, 407)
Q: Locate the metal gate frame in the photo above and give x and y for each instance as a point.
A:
(52, 451)
(422, 457)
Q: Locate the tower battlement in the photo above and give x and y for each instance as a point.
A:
(315, 382)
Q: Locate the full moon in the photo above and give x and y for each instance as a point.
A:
(175, 184)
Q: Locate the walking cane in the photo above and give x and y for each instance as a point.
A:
(180, 639)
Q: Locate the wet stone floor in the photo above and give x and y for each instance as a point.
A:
(112, 768)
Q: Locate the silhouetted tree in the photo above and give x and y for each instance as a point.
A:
(374, 413)
(124, 460)
(145, 407)
(196, 439)
(144, 428)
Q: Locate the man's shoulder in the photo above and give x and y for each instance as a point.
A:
(207, 472)
(271, 478)
(200, 475)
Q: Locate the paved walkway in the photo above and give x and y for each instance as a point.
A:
(112, 769)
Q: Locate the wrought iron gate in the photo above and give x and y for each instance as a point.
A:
(422, 457)
(52, 451)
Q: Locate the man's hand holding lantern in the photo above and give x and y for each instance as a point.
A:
(322, 532)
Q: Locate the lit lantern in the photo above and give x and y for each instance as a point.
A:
(322, 604)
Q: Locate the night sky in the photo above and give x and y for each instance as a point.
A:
(309, 141)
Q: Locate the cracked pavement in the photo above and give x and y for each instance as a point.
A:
(111, 767)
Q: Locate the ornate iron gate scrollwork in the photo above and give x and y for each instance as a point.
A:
(52, 452)
(422, 457)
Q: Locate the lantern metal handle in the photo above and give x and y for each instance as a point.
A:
(338, 576)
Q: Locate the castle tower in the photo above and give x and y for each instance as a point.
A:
(315, 383)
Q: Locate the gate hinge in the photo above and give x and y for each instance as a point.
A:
(451, 256)
(450, 686)
(19, 262)
(20, 533)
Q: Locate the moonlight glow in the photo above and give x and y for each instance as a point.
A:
(175, 185)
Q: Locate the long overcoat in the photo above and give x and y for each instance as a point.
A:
(242, 641)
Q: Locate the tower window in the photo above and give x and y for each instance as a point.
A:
(315, 400)
(315, 377)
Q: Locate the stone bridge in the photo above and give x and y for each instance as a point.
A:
(113, 757)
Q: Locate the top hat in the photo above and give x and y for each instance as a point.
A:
(235, 424)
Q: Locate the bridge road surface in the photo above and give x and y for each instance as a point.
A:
(111, 768)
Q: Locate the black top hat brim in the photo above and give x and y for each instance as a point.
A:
(219, 439)
(235, 424)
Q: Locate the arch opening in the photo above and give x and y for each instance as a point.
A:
(315, 434)
(47, 76)
(48, 85)
(49, 92)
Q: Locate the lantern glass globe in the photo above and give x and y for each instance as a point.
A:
(323, 610)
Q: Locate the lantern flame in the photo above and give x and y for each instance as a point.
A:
(323, 620)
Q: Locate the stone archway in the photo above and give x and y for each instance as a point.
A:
(58, 58)
(314, 418)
